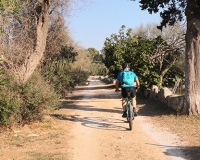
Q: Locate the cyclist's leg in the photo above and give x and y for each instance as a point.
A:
(135, 104)
(123, 104)
(124, 95)
(133, 99)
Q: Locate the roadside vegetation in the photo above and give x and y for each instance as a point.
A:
(152, 54)
(40, 62)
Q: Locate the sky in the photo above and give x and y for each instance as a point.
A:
(92, 22)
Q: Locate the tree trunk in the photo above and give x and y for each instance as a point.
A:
(192, 60)
(42, 20)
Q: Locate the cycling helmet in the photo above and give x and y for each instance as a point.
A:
(126, 65)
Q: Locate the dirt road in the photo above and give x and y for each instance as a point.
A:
(90, 127)
(100, 133)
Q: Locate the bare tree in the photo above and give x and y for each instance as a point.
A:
(175, 38)
(24, 41)
(147, 31)
(58, 36)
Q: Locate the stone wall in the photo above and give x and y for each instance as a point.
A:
(166, 96)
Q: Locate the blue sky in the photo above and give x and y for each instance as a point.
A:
(96, 20)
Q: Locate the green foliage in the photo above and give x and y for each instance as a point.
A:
(96, 67)
(172, 76)
(115, 48)
(61, 72)
(94, 55)
(79, 76)
(68, 53)
(137, 51)
(12, 6)
(62, 76)
(38, 98)
(3, 77)
(172, 11)
(23, 103)
(10, 103)
(57, 72)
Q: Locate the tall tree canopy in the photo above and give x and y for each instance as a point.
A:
(172, 11)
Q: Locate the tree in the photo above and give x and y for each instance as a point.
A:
(174, 36)
(150, 58)
(29, 31)
(94, 55)
(97, 67)
(172, 11)
(32, 27)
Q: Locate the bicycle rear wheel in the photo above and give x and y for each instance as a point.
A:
(130, 117)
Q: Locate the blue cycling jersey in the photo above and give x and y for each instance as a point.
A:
(120, 78)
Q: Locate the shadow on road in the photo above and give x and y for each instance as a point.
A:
(187, 150)
(96, 87)
(96, 96)
(95, 122)
(147, 107)
(90, 108)
(89, 93)
(174, 151)
(153, 108)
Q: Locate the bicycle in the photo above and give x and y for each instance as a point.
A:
(129, 111)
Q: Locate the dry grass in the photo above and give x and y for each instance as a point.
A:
(186, 127)
(42, 141)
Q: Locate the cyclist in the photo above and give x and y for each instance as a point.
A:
(126, 87)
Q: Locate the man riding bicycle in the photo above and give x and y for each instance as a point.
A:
(131, 85)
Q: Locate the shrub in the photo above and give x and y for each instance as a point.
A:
(23, 103)
(38, 98)
(62, 76)
(10, 103)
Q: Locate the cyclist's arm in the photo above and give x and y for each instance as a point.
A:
(137, 83)
(117, 85)
(117, 82)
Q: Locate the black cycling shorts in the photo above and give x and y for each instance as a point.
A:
(124, 92)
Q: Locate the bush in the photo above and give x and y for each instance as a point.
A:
(62, 76)
(10, 103)
(38, 98)
(98, 69)
(23, 103)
